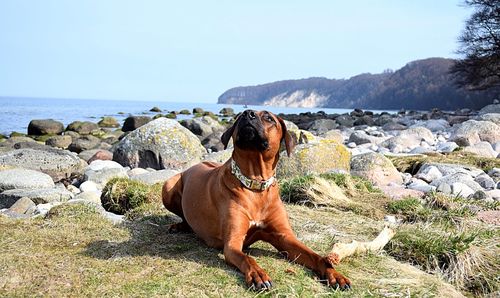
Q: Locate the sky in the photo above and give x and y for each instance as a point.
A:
(193, 51)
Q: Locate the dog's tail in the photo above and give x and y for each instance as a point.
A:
(172, 195)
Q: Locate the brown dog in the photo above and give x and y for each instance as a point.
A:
(233, 205)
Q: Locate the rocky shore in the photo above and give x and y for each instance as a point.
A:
(53, 164)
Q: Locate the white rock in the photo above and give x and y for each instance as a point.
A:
(88, 186)
(461, 189)
(98, 165)
(137, 171)
(429, 174)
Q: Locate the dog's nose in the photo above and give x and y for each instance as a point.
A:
(250, 114)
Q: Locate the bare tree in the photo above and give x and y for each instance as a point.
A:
(480, 47)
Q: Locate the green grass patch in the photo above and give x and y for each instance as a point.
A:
(122, 194)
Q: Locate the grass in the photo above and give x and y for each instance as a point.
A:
(122, 194)
(411, 164)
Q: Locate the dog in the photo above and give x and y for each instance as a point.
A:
(230, 206)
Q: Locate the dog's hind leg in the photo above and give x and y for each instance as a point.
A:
(172, 200)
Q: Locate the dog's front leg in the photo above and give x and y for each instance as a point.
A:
(233, 253)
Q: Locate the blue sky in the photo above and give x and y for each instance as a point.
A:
(192, 51)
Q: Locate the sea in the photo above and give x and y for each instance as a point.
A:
(16, 112)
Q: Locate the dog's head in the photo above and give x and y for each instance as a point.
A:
(260, 131)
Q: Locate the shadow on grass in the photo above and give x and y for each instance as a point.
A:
(149, 236)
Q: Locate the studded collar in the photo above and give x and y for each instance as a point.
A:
(249, 183)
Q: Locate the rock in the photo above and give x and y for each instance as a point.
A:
(345, 121)
(429, 174)
(320, 157)
(448, 169)
(9, 143)
(84, 143)
(220, 156)
(421, 150)
(227, 112)
(136, 171)
(213, 142)
(483, 149)
(351, 145)
(58, 164)
(321, 126)
(108, 122)
(17, 178)
(102, 176)
(151, 178)
(495, 174)
(408, 139)
(88, 186)
(134, 122)
(93, 196)
(73, 189)
(393, 126)
(44, 127)
(480, 195)
(160, 144)
(376, 168)
(364, 120)
(360, 137)
(458, 178)
(334, 135)
(471, 132)
(421, 185)
(485, 181)
(43, 209)
(495, 194)
(62, 142)
(493, 117)
(461, 189)
(446, 147)
(73, 134)
(489, 216)
(493, 108)
(155, 109)
(86, 155)
(82, 127)
(101, 155)
(383, 119)
(433, 125)
(22, 205)
(98, 165)
(31, 145)
(398, 192)
(390, 219)
(444, 188)
(202, 126)
(198, 111)
(39, 196)
(419, 133)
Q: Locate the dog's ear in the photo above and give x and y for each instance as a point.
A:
(289, 142)
(226, 136)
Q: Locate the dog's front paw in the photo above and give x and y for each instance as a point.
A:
(337, 280)
(258, 279)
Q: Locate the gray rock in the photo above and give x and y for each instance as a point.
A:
(82, 127)
(103, 176)
(73, 134)
(45, 126)
(483, 149)
(108, 122)
(39, 196)
(345, 120)
(11, 142)
(24, 179)
(361, 137)
(22, 205)
(448, 169)
(134, 122)
(98, 165)
(88, 154)
(202, 126)
(161, 144)
(485, 181)
(471, 132)
(462, 189)
(58, 164)
(421, 185)
(62, 142)
(458, 178)
(155, 177)
(480, 195)
(88, 186)
(493, 117)
(213, 142)
(495, 194)
(91, 196)
(220, 156)
(421, 150)
(84, 143)
(393, 126)
(73, 189)
(446, 147)
(429, 173)
(433, 124)
(493, 108)
(136, 171)
(43, 209)
(376, 168)
(444, 188)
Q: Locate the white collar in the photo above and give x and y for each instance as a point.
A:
(248, 182)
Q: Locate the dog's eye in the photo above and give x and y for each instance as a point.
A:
(268, 118)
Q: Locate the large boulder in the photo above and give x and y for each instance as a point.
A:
(84, 143)
(45, 126)
(493, 117)
(483, 149)
(360, 137)
(108, 121)
(493, 108)
(58, 164)
(160, 144)
(82, 127)
(134, 122)
(471, 132)
(319, 157)
(22, 178)
(62, 142)
(321, 126)
(376, 168)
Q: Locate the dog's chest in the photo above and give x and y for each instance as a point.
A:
(257, 224)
